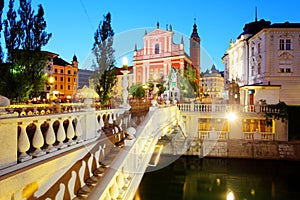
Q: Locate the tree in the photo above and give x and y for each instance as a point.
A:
(105, 74)
(137, 91)
(189, 85)
(24, 38)
(1, 11)
(106, 84)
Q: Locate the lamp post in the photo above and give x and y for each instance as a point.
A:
(51, 81)
(125, 72)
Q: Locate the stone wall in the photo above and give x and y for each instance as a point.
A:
(275, 150)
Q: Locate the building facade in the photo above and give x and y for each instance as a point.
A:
(267, 56)
(160, 54)
(212, 83)
(65, 80)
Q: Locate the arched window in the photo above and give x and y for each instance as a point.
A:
(156, 50)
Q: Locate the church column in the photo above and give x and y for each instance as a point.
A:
(144, 74)
(134, 74)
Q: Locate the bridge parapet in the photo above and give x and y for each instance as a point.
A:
(65, 156)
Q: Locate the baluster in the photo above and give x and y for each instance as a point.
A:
(38, 140)
(98, 127)
(114, 191)
(70, 132)
(92, 180)
(121, 184)
(71, 185)
(100, 167)
(50, 137)
(84, 189)
(61, 192)
(110, 120)
(23, 143)
(61, 135)
(101, 122)
(78, 130)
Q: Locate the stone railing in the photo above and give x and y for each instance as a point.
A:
(220, 135)
(26, 138)
(131, 162)
(224, 108)
(43, 109)
(258, 136)
(66, 157)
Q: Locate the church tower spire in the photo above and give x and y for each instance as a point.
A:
(195, 47)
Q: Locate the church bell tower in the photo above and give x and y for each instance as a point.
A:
(195, 47)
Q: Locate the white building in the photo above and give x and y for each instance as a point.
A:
(265, 57)
(212, 83)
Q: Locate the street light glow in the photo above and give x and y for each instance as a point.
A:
(230, 196)
(231, 116)
(124, 61)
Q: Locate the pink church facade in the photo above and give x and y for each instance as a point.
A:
(159, 53)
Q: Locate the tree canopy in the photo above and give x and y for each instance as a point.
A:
(105, 77)
(24, 35)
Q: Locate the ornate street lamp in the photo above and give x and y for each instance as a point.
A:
(125, 72)
(51, 81)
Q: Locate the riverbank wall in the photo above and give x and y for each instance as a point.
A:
(274, 150)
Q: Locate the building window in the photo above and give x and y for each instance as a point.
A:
(61, 71)
(288, 70)
(281, 44)
(69, 80)
(69, 71)
(282, 70)
(252, 70)
(156, 51)
(61, 78)
(55, 70)
(69, 87)
(55, 77)
(61, 87)
(252, 51)
(55, 87)
(258, 48)
(259, 68)
(288, 44)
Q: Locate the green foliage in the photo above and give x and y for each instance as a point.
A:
(276, 111)
(106, 84)
(188, 83)
(105, 75)
(137, 91)
(24, 38)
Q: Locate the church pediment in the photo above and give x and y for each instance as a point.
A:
(285, 56)
(157, 32)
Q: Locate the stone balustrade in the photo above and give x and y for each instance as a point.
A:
(219, 108)
(70, 155)
(28, 137)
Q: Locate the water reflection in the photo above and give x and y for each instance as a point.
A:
(227, 179)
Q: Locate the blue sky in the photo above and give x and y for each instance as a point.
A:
(73, 22)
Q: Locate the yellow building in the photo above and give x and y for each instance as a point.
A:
(64, 76)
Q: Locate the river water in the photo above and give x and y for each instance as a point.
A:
(197, 178)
